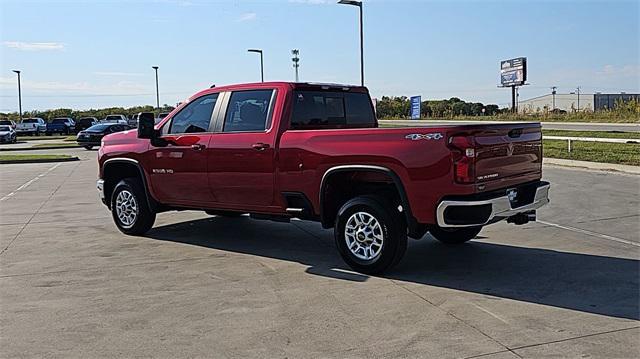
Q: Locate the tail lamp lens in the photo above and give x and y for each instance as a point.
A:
(464, 158)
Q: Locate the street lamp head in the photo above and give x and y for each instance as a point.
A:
(350, 2)
(255, 50)
(16, 71)
(155, 67)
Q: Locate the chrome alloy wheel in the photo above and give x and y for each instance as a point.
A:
(126, 208)
(364, 236)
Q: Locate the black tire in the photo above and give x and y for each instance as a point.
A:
(224, 213)
(393, 230)
(454, 235)
(144, 217)
(88, 147)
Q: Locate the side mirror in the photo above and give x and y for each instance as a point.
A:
(146, 123)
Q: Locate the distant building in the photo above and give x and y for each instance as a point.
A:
(569, 102)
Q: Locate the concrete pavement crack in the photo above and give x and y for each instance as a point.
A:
(552, 342)
(39, 208)
(507, 349)
(112, 267)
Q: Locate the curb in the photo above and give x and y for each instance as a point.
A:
(70, 159)
(597, 166)
(39, 148)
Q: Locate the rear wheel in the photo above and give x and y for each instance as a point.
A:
(129, 207)
(371, 237)
(454, 235)
(88, 147)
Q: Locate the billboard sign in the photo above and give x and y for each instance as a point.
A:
(416, 101)
(513, 72)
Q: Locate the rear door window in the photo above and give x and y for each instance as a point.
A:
(326, 109)
(248, 111)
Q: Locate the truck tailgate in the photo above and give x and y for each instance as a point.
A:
(506, 151)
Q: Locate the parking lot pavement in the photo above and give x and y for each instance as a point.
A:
(73, 286)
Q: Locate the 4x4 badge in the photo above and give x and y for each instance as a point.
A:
(425, 136)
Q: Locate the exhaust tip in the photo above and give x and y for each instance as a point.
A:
(522, 218)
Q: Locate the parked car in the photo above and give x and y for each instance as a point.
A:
(281, 150)
(133, 120)
(85, 122)
(31, 126)
(93, 135)
(6, 122)
(7, 134)
(121, 119)
(62, 125)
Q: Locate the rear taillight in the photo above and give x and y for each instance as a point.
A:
(464, 158)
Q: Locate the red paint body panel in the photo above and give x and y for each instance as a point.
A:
(231, 174)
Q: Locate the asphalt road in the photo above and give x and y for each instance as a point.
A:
(582, 126)
(201, 286)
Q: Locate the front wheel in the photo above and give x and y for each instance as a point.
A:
(370, 235)
(129, 208)
(454, 235)
(88, 147)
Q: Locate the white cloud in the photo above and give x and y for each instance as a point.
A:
(616, 71)
(249, 16)
(34, 46)
(81, 87)
(116, 73)
(313, 2)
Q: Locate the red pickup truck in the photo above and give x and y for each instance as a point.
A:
(278, 151)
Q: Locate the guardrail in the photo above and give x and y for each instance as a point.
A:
(589, 139)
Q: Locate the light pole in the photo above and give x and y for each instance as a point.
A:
(157, 89)
(359, 5)
(19, 94)
(258, 51)
(296, 62)
(578, 92)
(553, 93)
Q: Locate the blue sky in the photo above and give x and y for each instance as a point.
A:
(89, 54)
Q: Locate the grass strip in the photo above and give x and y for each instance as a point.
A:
(56, 145)
(33, 158)
(619, 153)
(40, 138)
(597, 134)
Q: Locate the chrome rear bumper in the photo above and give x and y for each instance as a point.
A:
(500, 208)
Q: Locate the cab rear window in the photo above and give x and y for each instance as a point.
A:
(328, 109)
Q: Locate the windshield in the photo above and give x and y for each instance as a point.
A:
(5, 128)
(59, 120)
(98, 128)
(5, 122)
(30, 120)
(113, 118)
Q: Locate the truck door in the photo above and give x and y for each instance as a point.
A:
(241, 157)
(179, 171)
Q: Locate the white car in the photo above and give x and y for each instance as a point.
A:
(119, 119)
(7, 134)
(31, 126)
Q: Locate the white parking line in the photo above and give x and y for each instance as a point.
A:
(26, 184)
(590, 233)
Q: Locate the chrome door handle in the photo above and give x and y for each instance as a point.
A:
(260, 146)
(198, 147)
